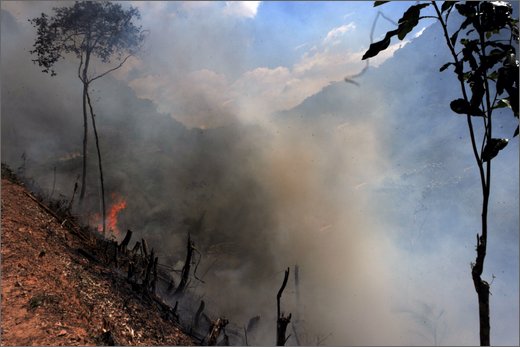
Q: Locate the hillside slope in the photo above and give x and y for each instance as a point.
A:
(53, 295)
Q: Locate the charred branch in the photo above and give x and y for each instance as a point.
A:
(186, 268)
(144, 248)
(136, 248)
(69, 207)
(148, 273)
(154, 272)
(216, 329)
(115, 253)
(126, 241)
(282, 320)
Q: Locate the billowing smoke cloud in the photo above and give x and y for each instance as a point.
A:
(370, 192)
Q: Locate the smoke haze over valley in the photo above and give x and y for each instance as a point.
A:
(238, 113)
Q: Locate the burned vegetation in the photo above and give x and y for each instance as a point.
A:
(122, 286)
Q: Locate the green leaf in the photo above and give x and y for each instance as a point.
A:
(446, 5)
(503, 103)
(445, 66)
(406, 24)
(460, 106)
(453, 38)
(477, 90)
(409, 20)
(516, 132)
(492, 148)
(379, 46)
(379, 3)
(468, 9)
(493, 76)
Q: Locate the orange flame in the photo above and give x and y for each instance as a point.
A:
(117, 206)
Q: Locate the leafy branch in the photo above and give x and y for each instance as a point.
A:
(485, 64)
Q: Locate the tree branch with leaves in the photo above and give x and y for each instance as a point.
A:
(484, 60)
(87, 30)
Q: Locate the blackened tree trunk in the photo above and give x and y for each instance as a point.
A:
(124, 244)
(186, 268)
(282, 321)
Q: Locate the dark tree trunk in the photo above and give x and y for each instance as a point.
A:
(103, 206)
(85, 126)
(136, 248)
(149, 268)
(124, 244)
(144, 248)
(282, 321)
(186, 269)
(481, 286)
(85, 133)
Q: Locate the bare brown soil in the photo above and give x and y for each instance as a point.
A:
(53, 295)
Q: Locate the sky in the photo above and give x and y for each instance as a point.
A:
(241, 111)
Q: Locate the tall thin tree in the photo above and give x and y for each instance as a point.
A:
(88, 31)
(483, 49)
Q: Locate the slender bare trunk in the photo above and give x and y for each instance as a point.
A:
(282, 320)
(85, 133)
(100, 164)
(85, 127)
(481, 286)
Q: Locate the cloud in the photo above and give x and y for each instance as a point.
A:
(338, 32)
(420, 32)
(205, 49)
(246, 9)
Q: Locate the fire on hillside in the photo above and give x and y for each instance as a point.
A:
(114, 209)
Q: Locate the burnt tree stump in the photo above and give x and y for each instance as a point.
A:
(216, 328)
(124, 244)
(186, 268)
(282, 321)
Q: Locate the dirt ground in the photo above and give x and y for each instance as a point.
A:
(53, 295)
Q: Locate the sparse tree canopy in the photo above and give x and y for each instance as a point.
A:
(101, 29)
